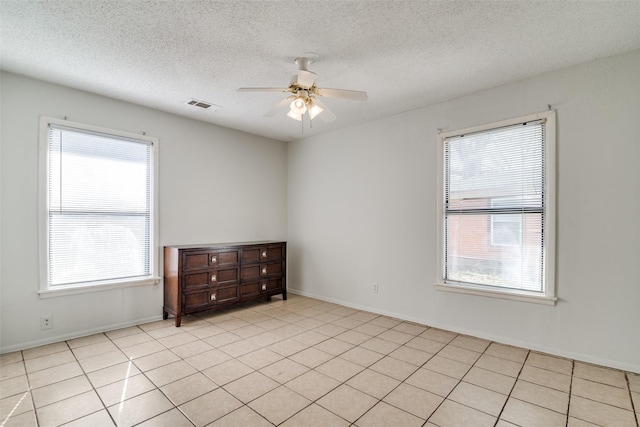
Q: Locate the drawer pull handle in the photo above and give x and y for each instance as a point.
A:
(214, 259)
(264, 287)
(264, 253)
(214, 278)
(264, 270)
(213, 297)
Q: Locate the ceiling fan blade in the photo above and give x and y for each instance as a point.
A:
(278, 107)
(356, 95)
(326, 115)
(306, 78)
(262, 89)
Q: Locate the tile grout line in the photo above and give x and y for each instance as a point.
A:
(104, 406)
(403, 381)
(524, 362)
(633, 406)
(383, 356)
(551, 388)
(279, 384)
(343, 382)
(573, 368)
(132, 361)
(460, 380)
(4, 421)
(83, 374)
(218, 386)
(312, 402)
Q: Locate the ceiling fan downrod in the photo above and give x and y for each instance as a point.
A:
(305, 60)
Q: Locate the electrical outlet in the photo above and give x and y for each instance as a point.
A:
(375, 288)
(46, 322)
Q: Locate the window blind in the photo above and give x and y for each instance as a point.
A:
(494, 207)
(99, 207)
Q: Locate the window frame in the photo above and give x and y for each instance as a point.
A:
(47, 291)
(548, 296)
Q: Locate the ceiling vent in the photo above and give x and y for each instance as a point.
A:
(202, 104)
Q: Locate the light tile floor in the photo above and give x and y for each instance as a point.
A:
(304, 362)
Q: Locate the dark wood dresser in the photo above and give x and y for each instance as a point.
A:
(205, 277)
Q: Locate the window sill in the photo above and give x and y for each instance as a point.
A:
(60, 291)
(510, 295)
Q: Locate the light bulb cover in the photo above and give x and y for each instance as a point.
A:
(298, 106)
(294, 116)
(314, 110)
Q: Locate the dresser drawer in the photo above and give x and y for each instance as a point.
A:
(263, 254)
(210, 297)
(261, 287)
(223, 295)
(222, 277)
(195, 300)
(196, 280)
(223, 258)
(200, 260)
(219, 277)
(261, 270)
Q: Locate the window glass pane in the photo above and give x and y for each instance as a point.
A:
(471, 258)
(505, 229)
(494, 207)
(91, 247)
(99, 199)
(505, 163)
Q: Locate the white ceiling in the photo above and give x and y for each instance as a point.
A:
(405, 54)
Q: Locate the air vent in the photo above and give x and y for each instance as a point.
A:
(202, 104)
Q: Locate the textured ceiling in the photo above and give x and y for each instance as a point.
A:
(404, 54)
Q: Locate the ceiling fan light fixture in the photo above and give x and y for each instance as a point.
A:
(294, 116)
(304, 94)
(314, 110)
(298, 106)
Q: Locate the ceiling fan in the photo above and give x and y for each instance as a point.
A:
(304, 94)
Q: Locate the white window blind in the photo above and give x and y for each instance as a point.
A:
(99, 199)
(494, 207)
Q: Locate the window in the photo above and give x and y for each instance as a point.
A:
(497, 209)
(99, 225)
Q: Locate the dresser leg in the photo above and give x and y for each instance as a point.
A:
(178, 321)
(284, 295)
(165, 315)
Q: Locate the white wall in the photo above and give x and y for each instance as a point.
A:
(215, 185)
(362, 210)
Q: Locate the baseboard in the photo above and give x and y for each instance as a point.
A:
(77, 334)
(629, 367)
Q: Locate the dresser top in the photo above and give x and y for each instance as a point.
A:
(226, 245)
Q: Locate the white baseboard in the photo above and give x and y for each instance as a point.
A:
(77, 334)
